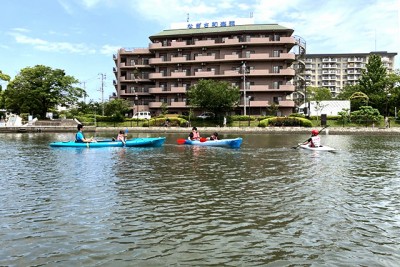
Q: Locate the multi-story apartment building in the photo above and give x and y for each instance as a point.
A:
(335, 71)
(160, 75)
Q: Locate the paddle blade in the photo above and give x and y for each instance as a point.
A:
(181, 141)
(203, 139)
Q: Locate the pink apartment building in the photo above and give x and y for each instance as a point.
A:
(160, 75)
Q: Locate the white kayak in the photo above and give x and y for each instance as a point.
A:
(320, 148)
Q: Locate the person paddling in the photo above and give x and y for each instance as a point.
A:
(314, 140)
(80, 137)
(194, 135)
(121, 137)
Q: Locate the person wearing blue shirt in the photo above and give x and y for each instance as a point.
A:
(80, 137)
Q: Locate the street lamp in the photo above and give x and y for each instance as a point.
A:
(387, 121)
(244, 87)
(137, 109)
(387, 104)
(248, 99)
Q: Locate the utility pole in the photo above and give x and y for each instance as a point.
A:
(103, 78)
(244, 87)
(84, 88)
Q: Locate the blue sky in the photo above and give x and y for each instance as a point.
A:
(81, 36)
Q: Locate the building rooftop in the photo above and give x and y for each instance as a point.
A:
(219, 30)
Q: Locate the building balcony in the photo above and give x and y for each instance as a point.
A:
(325, 78)
(329, 66)
(204, 73)
(156, 75)
(355, 60)
(178, 59)
(257, 88)
(155, 104)
(258, 104)
(176, 104)
(172, 90)
(231, 57)
(204, 43)
(178, 74)
(204, 58)
(326, 60)
(287, 87)
(225, 42)
(287, 104)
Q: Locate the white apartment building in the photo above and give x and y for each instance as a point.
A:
(335, 71)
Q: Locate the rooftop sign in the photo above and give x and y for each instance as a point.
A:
(212, 24)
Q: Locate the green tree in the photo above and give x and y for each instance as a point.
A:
(393, 93)
(348, 91)
(273, 109)
(318, 94)
(374, 83)
(117, 108)
(215, 96)
(3, 77)
(367, 115)
(164, 108)
(37, 90)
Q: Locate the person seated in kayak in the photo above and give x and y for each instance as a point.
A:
(314, 140)
(121, 137)
(214, 136)
(80, 137)
(194, 135)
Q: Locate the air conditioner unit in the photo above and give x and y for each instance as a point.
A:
(179, 50)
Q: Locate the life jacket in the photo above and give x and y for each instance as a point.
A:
(196, 135)
(315, 141)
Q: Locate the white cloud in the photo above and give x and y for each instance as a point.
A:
(109, 49)
(60, 47)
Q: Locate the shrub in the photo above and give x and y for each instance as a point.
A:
(285, 121)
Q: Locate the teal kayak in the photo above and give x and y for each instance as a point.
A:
(136, 142)
(232, 143)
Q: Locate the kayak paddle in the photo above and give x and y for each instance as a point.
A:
(181, 141)
(295, 147)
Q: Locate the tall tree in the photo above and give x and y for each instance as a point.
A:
(3, 77)
(37, 90)
(215, 96)
(374, 83)
(373, 77)
(318, 94)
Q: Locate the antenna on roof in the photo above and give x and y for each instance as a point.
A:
(187, 19)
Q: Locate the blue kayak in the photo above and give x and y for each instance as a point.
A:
(136, 142)
(233, 143)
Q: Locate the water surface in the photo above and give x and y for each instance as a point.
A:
(264, 204)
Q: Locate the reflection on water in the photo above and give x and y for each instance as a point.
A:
(264, 203)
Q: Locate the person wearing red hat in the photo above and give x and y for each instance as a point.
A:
(314, 140)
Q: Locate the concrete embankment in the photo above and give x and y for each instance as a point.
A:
(233, 130)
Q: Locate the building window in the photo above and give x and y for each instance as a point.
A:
(276, 69)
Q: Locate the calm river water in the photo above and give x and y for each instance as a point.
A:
(264, 204)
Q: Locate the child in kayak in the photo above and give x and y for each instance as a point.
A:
(194, 135)
(314, 140)
(121, 137)
(214, 136)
